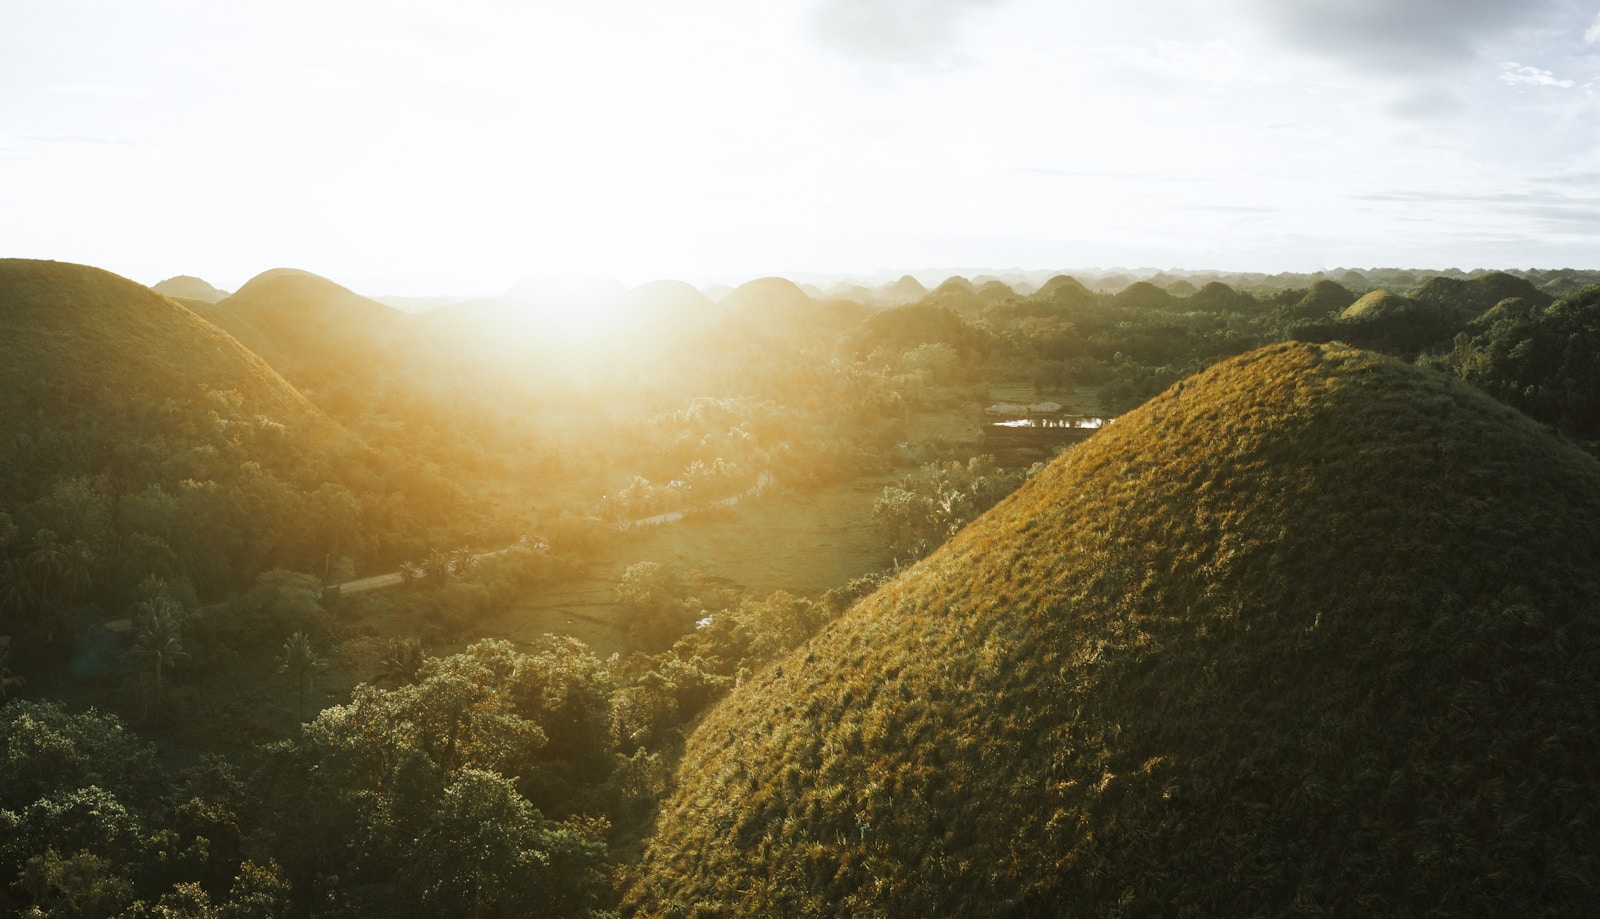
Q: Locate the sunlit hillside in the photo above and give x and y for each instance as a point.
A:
(1312, 631)
(312, 329)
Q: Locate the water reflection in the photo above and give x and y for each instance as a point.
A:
(1088, 422)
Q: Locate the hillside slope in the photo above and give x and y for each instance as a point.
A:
(74, 338)
(314, 331)
(1312, 632)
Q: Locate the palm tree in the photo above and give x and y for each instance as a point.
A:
(302, 662)
(403, 664)
(158, 639)
(412, 572)
(46, 564)
(76, 575)
(8, 680)
(16, 593)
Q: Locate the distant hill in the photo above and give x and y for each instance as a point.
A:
(1313, 632)
(189, 288)
(905, 290)
(1065, 290)
(1464, 300)
(1144, 295)
(1325, 298)
(769, 307)
(311, 329)
(664, 313)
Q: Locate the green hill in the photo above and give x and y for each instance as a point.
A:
(312, 330)
(1325, 298)
(1144, 295)
(1314, 632)
(1463, 300)
(76, 340)
(1065, 290)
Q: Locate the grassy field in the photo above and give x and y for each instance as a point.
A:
(804, 543)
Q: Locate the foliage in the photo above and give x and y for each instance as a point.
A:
(302, 664)
(926, 509)
(1542, 360)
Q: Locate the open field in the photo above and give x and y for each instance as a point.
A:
(804, 543)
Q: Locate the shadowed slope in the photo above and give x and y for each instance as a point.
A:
(1311, 632)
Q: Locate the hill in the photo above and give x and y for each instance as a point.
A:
(310, 329)
(76, 339)
(140, 442)
(770, 307)
(905, 290)
(1463, 300)
(1312, 632)
(1325, 298)
(185, 287)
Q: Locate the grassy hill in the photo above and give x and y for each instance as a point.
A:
(311, 329)
(1312, 632)
(75, 339)
(187, 287)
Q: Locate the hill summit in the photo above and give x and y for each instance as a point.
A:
(1312, 632)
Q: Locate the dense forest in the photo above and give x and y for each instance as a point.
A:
(312, 605)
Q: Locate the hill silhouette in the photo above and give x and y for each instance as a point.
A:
(311, 329)
(1313, 632)
(1066, 292)
(1144, 295)
(187, 287)
(905, 290)
(770, 307)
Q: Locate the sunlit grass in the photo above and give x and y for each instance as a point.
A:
(1314, 630)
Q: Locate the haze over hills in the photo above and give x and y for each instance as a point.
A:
(1312, 631)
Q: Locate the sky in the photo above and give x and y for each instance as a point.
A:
(432, 148)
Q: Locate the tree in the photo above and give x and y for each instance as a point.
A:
(489, 851)
(158, 640)
(8, 680)
(651, 594)
(403, 663)
(302, 663)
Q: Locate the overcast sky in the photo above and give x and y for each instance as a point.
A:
(430, 147)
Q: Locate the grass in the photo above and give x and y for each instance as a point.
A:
(1313, 632)
(801, 542)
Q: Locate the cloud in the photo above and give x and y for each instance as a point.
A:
(895, 32)
(1592, 35)
(1515, 74)
(1399, 36)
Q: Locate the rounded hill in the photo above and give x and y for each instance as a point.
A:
(75, 338)
(1314, 631)
(187, 287)
(309, 328)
